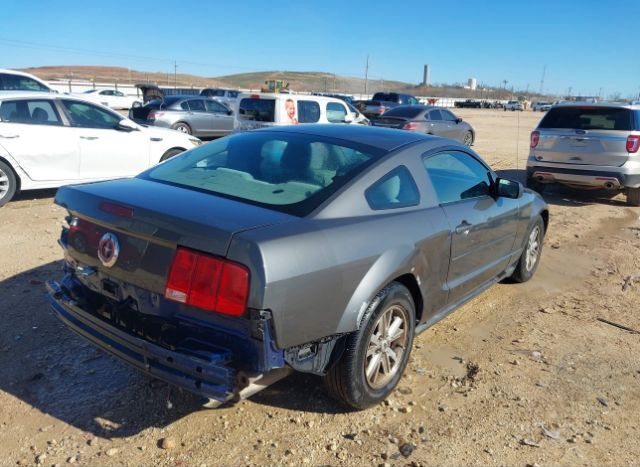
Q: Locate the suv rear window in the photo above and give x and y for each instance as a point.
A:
(588, 118)
(260, 110)
(291, 173)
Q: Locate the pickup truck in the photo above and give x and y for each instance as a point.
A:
(383, 101)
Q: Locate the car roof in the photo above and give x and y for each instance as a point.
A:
(286, 95)
(29, 94)
(383, 138)
(598, 104)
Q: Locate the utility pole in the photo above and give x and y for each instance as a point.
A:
(366, 75)
(175, 74)
(544, 71)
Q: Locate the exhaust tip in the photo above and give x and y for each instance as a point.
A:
(540, 178)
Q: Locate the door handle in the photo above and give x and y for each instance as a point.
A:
(9, 136)
(90, 138)
(463, 228)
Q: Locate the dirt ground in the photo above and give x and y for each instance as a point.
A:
(522, 375)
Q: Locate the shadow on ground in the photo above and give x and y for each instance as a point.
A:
(55, 371)
(34, 194)
(561, 195)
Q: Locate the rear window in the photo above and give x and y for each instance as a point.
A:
(260, 110)
(10, 82)
(385, 96)
(588, 118)
(408, 112)
(290, 173)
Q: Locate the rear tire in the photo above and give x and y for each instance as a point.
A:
(530, 258)
(171, 153)
(8, 183)
(633, 196)
(375, 355)
(182, 128)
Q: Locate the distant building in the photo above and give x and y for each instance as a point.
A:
(425, 76)
(473, 84)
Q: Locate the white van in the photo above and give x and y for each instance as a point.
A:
(262, 110)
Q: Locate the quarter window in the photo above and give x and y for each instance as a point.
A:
(395, 190)
(308, 112)
(435, 115)
(86, 115)
(448, 116)
(336, 113)
(457, 176)
(259, 110)
(35, 112)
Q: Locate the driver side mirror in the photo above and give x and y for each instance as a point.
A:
(126, 125)
(348, 118)
(508, 188)
(229, 112)
(458, 120)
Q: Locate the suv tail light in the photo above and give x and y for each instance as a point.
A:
(207, 282)
(633, 144)
(411, 126)
(535, 138)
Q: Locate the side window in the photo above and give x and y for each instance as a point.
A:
(184, 105)
(20, 83)
(395, 190)
(308, 112)
(457, 176)
(213, 106)
(336, 112)
(35, 112)
(435, 115)
(118, 93)
(233, 94)
(197, 105)
(86, 115)
(448, 116)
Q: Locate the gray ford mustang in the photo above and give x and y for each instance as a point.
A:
(316, 248)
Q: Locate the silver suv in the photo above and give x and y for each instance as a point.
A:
(587, 146)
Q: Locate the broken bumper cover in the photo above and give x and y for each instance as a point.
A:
(210, 378)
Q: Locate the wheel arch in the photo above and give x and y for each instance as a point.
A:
(15, 172)
(174, 148)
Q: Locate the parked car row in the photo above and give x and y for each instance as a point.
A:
(478, 104)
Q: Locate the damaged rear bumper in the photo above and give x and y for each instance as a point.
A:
(209, 374)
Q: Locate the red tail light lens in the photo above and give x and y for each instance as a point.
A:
(151, 116)
(633, 144)
(411, 126)
(535, 138)
(207, 282)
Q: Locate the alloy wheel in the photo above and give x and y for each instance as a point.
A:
(4, 184)
(387, 345)
(533, 248)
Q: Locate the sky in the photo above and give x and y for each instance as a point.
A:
(589, 47)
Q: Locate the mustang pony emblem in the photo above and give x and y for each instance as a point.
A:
(108, 249)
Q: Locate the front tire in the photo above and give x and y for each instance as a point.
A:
(633, 196)
(182, 128)
(171, 153)
(375, 355)
(530, 258)
(8, 183)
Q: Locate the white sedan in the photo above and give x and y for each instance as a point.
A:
(50, 140)
(110, 97)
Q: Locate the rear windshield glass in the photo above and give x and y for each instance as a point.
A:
(286, 172)
(384, 96)
(588, 118)
(408, 112)
(260, 110)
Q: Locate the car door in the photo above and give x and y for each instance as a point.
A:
(34, 133)
(221, 118)
(482, 227)
(200, 121)
(436, 125)
(105, 151)
(453, 130)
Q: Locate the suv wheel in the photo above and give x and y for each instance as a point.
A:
(633, 196)
(8, 183)
(375, 355)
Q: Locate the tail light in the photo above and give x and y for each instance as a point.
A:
(535, 138)
(153, 115)
(208, 282)
(633, 144)
(411, 126)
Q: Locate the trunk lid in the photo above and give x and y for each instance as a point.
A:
(389, 122)
(149, 220)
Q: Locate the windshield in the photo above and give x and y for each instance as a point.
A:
(287, 172)
(407, 112)
(588, 118)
